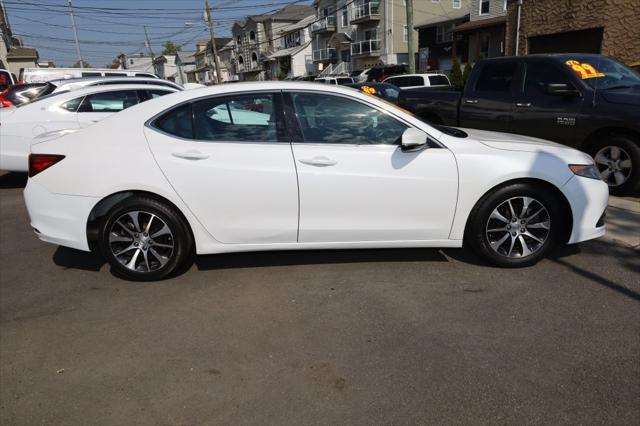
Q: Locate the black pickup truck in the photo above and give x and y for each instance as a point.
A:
(589, 102)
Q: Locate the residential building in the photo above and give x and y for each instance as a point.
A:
(185, 62)
(137, 62)
(14, 56)
(609, 27)
(204, 71)
(374, 30)
(293, 53)
(164, 66)
(485, 29)
(436, 47)
(255, 39)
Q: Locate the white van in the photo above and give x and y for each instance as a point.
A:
(42, 75)
(334, 80)
(411, 81)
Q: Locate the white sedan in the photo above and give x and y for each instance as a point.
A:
(281, 166)
(61, 113)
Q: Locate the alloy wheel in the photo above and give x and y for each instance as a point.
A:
(141, 241)
(614, 165)
(518, 227)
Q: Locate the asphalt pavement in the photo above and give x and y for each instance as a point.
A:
(365, 337)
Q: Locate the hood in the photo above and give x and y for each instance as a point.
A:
(510, 141)
(513, 142)
(630, 96)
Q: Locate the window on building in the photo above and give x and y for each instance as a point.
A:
(239, 41)
(252, 36)
(345, 16)
(484, 6)
(504, 7)
(457, 4)
(405, 34)
(254, 59)
(444, 33)
(435, 1)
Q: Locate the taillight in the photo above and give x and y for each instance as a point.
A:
(40, 162)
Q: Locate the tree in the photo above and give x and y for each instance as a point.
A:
(466, 73)
(85, 64)
(456, 74)
(170, 48)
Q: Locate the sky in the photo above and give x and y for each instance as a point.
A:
(107, 28)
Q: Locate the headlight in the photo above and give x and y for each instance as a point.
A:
(585, 170)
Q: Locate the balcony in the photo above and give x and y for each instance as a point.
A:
(323, 55)
(326, 24)
(366, 12)
(366, 48)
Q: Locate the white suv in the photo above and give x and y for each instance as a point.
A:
(411, 81)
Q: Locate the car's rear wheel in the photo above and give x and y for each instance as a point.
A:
(618, 161)
(144, 239)
(515, 225)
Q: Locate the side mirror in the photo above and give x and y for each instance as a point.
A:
(562, 89)
(413, 140)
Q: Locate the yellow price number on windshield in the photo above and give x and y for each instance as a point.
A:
(584, 70)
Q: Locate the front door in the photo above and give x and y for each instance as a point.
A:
(488, 103)
(357, 185)
(543, 115)
(232, 166)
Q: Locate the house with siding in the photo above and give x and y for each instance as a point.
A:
(485, 30)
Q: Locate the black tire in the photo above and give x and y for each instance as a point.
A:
(480, 221)
(163, 254)
(630, 149)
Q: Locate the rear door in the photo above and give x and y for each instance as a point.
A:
(488, 104)
(100, 105)
(543, 115)
(228, 157)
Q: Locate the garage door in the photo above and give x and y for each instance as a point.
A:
(583, 41)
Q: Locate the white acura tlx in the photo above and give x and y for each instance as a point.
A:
(281, 166)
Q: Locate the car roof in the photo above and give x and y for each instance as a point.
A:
(90, 80)
(99, 89)
(416, 75)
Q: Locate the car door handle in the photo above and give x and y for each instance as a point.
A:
(318, 161)
(470, 101)
(190, 155)
(523, 104)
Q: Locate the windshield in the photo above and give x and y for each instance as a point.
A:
(602, 73)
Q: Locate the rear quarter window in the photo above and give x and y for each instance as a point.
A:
(177, 122)
(438, 80)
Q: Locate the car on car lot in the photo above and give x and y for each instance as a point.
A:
(334, 80)
(19, 94)
(7, 79)
(286, 165)
(386, 91)
(413, 81)
(63, 113)
(585, 101)
(65, 85)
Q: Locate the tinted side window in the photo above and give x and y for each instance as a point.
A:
(242, 118)
(406, 81)
(539, 74)
(155, 93)
(438, 80)
(73, 104)
(109, 101)
(496, 77)
(91, 74)
(334, 119)
(177, 122)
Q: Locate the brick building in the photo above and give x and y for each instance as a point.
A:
(609, 27)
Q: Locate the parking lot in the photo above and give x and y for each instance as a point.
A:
(410, 336)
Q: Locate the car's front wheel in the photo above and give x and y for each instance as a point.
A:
(144, 239)
(515, 225)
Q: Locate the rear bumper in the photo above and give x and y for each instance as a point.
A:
(588, 199)
(56, 218)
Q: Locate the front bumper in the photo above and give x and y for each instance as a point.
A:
(58, 218)
(588, 199)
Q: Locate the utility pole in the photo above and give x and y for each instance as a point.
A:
(214, 48)
(148, 44)
(410, 48)
(75, 33)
